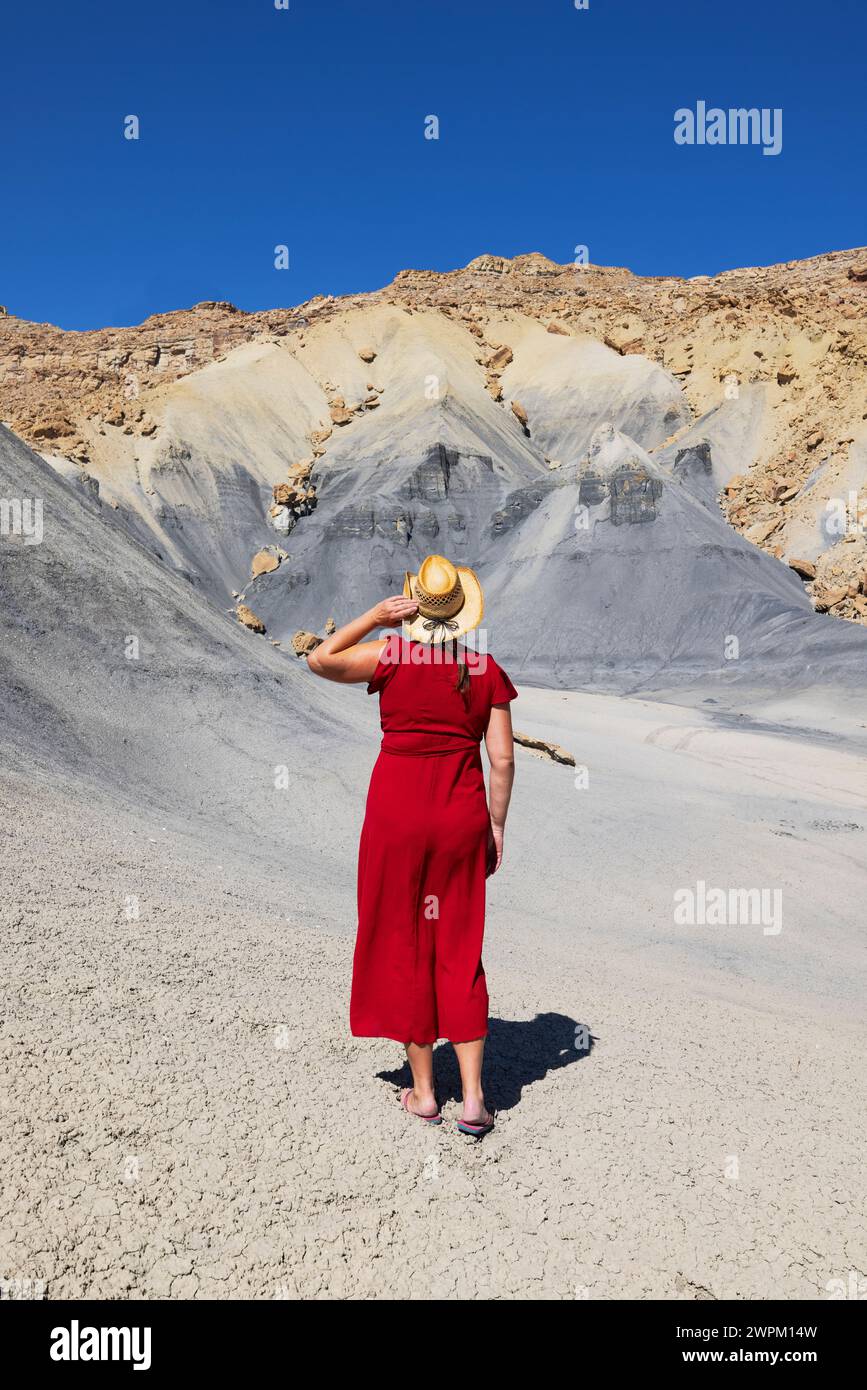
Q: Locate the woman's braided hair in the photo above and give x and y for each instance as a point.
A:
(462, 685)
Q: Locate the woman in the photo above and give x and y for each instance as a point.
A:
(429, 839)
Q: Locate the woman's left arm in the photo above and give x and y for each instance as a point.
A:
(345, 657)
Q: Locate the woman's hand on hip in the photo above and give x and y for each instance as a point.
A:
(391, 612)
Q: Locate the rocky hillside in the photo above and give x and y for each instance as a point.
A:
(748, 387)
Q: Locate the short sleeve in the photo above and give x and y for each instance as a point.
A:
(502, 689)
(387, 664)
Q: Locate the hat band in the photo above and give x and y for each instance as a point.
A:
(439, 605)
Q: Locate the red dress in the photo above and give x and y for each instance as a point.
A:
(417, 973)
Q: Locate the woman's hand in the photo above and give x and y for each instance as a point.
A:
(392, 611)
(345, 656)
(495, 849)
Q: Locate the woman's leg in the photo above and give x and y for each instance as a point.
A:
(420, 1058)
(469, 1055)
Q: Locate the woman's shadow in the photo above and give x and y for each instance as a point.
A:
(516, 1055)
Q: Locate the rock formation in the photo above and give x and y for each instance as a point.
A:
(552, 751)
(249, 619)
(483, 412)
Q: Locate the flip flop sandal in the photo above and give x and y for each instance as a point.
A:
(436, 1119)
(477, 1131)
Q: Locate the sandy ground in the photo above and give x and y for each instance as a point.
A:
(186, 1115)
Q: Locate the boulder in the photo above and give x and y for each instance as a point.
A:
(303, 643)
(829, 598)
(760, 530)
(520, 415)
(623, 345)
(264, 561)
(550, 750)
(500, 359)
(281, 519)
(367, 354)
(249, 619)
(805, 568)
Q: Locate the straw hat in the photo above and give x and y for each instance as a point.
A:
(449, 597)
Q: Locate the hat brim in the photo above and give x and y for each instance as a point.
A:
(468, 616)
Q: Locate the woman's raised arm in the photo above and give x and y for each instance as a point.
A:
(345, 657)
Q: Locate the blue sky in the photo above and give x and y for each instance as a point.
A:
(305, 127)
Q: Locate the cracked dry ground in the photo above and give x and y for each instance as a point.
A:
(157, 1142)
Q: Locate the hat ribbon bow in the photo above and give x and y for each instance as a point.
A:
(431, 624)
